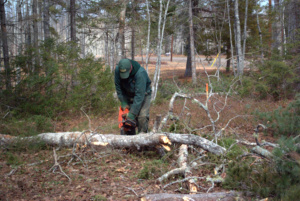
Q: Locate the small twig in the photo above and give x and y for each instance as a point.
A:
(182, 180)
(57, 165)
(11, 172)
(132, 191)
(87, 116)
(212, 186)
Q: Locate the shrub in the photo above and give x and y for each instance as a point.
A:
(63, 83)
(152, 169)
(279, 178)
(274, 79)
(283, 121)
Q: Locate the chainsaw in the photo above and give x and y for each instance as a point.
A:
(127, 127)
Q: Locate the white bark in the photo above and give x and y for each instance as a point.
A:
(121, 141)
(148, 36)
(121, 35)
(192, 47)
(240, 58)
(183, 169)
(231, 46)
(224, 196)
(158, 51)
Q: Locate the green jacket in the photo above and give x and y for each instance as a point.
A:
(133, 90)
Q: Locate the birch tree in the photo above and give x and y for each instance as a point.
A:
(148, 35)
(121, 33)
(245, 29)
(192, 47)
(240, 58)
(160, 37)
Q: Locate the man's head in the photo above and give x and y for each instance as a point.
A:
(125, 68)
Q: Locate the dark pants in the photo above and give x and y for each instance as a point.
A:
(142, 118)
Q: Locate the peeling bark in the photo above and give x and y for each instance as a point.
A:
(224, 196)
(184, 169)
(121, 141)
(261, 151)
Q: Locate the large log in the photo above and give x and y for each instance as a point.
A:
(122, 141)
(224, 196)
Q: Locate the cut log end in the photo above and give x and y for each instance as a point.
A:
(165, 140)
(99, 143)
(167, 148)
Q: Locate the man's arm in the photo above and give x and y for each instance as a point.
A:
(140, 90)
(120, 94)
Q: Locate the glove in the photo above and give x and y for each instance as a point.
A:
(129, 123)
(128, 116)
(124, 105)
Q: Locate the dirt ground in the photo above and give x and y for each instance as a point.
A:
(98, 174)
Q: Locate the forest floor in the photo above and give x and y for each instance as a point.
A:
(108, 174)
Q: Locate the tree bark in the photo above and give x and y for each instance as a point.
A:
(5, 45)
(240, 58)
(245, 29)
(230, 34)
(72, 20)
(35, 35)
(158, 50)
(121, 32)
(224, 196)
(148, 35)
(46, 20)
(192, 47)
(260, 37)
(188, 67)
(132, 42)
(121, 141)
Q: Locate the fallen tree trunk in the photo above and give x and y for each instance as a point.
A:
(224, 196)
(121, 141)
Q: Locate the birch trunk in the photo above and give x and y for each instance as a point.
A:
(121, 141)
(240, 58)
(121, 33)
(192, 47)
(148, 36)
(230, 34)
(158, 51)
(224, 196)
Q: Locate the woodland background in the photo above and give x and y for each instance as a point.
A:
(56, 75)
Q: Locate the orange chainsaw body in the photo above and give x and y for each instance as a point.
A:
(121, 113)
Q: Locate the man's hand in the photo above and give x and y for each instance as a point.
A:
(129, 120)
(129, 123)
(124, 105)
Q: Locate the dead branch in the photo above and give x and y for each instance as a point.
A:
(261, 151)
(182, 180)
(57, 165)
(224, 196)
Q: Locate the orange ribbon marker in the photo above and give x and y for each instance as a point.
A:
(206, 90)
